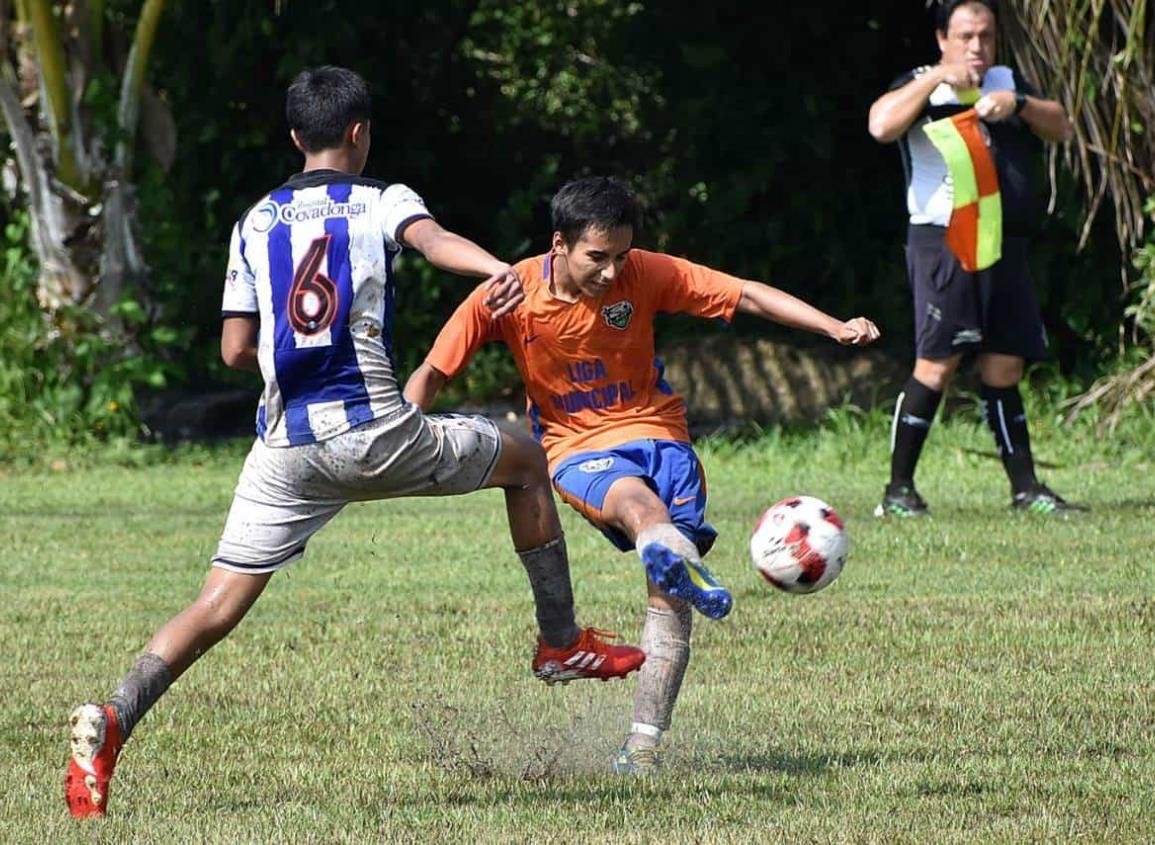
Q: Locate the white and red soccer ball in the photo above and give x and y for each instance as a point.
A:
(799, 544)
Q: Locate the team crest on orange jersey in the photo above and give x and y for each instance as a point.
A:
(617, 316)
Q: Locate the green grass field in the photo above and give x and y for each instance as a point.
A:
(975, 677)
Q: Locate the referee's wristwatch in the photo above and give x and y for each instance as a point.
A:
(1020, 101)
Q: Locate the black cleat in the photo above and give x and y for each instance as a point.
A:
(901, 500)
(1041, 499)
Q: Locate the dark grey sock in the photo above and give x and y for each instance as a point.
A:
(548, 570)
(142, 686)
(666, 641)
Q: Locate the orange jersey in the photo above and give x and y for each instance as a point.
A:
(591, 378)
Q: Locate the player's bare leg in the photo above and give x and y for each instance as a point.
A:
(522, 471)
(936, 373)
(99, 731)
(565, 651)
(224, 600)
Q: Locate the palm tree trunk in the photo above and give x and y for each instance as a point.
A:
(61, 281)
(121, 264)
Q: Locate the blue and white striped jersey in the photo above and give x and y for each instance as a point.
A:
(314, 260)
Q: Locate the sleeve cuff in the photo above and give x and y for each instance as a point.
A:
(399, 232)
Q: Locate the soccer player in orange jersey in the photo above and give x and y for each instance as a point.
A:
(614, 431)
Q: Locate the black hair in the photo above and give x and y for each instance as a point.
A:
(946, 10)
(596, 202)
(321, 104)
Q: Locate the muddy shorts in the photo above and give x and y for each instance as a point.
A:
(285, 495)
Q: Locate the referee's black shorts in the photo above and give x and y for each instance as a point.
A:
(993, 310)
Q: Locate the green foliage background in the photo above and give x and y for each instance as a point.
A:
(742, 127)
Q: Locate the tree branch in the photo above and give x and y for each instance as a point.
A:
(132, 83)
(23, 136)
(54, 83)
(1099, 59)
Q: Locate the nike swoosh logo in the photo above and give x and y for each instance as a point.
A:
(684, 500)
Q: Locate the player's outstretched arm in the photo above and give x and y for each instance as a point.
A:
(424, 385)
(459, 255)
(239, 343)
(780, 307)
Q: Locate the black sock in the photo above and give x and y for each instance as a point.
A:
(913, 413)
(1003, 410)
(140, 689)
(548, 570)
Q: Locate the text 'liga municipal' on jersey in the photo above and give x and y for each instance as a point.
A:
(598, 398)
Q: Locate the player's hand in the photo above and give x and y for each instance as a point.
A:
(960, 76)
(503, 292)
(857, 332)
(996, 106)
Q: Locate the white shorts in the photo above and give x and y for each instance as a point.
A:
(285, 495)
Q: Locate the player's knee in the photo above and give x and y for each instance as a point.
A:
(935, 373)
(217, 616)
(630, 502)
(523, 462)
(1001, 371)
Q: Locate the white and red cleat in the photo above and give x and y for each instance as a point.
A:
(590, 657)
(96, 742)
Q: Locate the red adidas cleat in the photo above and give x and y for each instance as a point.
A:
(95, 743)
(590, 657)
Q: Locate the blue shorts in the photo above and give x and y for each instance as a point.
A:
(670, 468)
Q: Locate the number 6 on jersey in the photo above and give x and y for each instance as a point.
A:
(313, 296)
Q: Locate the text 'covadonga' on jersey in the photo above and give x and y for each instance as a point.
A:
(314, 261)
(591, 376)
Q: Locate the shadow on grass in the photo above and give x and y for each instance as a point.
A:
(480, 774)
(1096, 508)
(994, 456)
(724, 772)
(1132, 505)
(611, 791)
(788, 764)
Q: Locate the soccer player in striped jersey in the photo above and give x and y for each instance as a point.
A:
(613, 428)
(309, 303)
